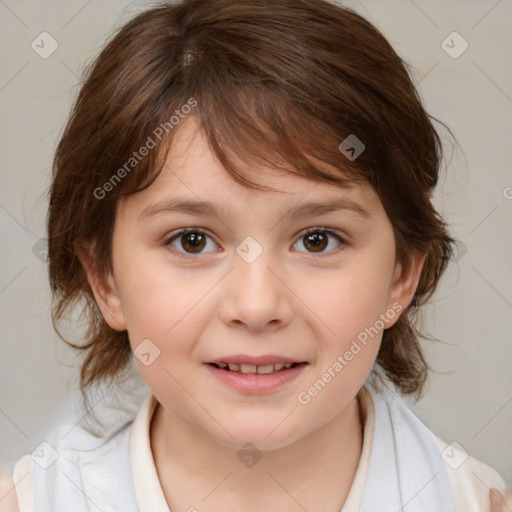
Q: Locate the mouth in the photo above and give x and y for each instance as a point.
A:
(255, 375)
(247, 369)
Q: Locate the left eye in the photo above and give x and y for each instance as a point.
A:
(317, 239)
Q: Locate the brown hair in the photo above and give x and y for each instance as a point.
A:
(280, 83)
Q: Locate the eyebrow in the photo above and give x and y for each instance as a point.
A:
(206, 208)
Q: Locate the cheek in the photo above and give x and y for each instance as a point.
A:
(350, 303)
(166, 310)
(352, 300)
(349, 341)
(155, 297)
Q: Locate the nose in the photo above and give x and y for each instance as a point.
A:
(255, 295)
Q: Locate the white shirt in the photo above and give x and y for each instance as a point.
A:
(120, 474)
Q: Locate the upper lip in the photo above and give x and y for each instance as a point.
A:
(257, 361)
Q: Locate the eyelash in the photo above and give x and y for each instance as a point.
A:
(309, 231)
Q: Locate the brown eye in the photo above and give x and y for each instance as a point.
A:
(189, 242)
(193, 242)
(317, 240)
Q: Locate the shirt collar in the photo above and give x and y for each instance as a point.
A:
(148, 490)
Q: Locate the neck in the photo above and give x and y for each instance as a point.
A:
(316, 471)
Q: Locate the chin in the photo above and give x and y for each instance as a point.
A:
(263, 437)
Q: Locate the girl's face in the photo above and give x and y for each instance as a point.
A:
(248, 285)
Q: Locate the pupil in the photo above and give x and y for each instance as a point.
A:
(317, 240)
(195, 240)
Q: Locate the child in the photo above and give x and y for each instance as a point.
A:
(242, 197)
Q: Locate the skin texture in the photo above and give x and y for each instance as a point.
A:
(290, 301)
(500, 501)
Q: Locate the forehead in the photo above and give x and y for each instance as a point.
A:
(192, 174)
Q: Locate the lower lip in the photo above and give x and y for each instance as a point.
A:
(255, 382)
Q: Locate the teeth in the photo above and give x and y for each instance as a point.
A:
(251, 368)
(247, 368)
(269, 368)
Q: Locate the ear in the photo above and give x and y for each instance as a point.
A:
(103, 288)
(405, 282)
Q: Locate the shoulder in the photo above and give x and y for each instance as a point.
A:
(470, 478)
(71, 472)
(8, 498)
(73, 466)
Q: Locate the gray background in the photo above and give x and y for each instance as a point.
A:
(469, 401)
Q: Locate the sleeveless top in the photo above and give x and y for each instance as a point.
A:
(402, 464)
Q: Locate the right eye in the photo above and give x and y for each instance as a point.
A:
(192, 240)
